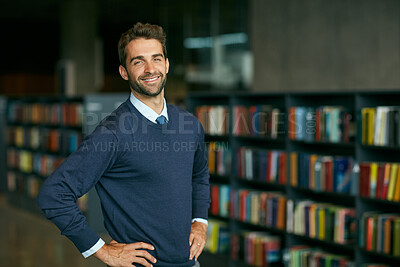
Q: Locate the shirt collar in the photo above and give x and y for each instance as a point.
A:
(146, 111)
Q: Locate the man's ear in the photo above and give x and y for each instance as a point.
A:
(167, 65)
(123, 72)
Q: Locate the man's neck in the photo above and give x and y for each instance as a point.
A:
(156, 103)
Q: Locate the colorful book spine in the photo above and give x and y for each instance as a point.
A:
(258, 121)
(62, 114)
(215, 119)
(220, 199)
(32, 162)
(380, 125)
(219, 158)
(379, 180)
(305, 256)
(380, 232)
(261, 165)
(259, 248)
(323, 124)
(323, 221)
(322, 173)
(50, 140)
(259, 208)
(218, 237)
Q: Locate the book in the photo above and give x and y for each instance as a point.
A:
(373, 179)
(392, 182)
(396, 196)
(386, 180)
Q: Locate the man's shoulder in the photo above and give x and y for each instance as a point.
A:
(113, 120)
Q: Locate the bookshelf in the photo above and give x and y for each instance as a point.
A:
(3, 153)
(324, 139)
(41, 132)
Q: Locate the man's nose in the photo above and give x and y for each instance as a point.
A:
(149, 68)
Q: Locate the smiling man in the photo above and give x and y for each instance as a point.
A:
(154, 201)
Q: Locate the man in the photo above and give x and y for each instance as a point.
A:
(147, 163)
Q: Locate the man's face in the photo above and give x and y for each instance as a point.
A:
(146, 67)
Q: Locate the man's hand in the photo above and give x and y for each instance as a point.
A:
(197, 239)
(124, 255)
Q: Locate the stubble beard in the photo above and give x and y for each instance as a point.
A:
(141, 89)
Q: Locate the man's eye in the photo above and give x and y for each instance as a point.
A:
(137, 62)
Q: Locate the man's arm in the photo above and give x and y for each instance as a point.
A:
(200, 200)
(71, 180)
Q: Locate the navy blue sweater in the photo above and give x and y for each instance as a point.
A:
(151, 179)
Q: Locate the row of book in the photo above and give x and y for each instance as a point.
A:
(259, 208)
(46, 139)
(380, 232)
(322, 221)
(31, 162)
(220, 197)
(261, 165)
(259, 249)
(379, 180)
(380, 126)
(18, 182)
(215, 119)
(219, 158)
(323, 124)
(258, 121)
(323, 173)
(218, 237)
(305, 256)
(65, 114)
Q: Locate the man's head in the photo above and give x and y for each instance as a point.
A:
(140, 30)
(143, 59)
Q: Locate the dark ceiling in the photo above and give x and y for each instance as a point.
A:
(30, 29)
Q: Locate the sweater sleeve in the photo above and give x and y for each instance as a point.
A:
(200, 181)
(74, 178)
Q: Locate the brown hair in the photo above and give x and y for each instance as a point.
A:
(140, 30)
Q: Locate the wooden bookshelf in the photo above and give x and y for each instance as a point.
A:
(346, 142)
(41, 132)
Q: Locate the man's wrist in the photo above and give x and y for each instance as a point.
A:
(200, 220)
(100, 243)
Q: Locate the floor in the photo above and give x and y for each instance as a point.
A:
(27, 240)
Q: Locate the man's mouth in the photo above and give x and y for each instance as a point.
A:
(151, 79)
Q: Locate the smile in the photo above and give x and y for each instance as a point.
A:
(151, 79)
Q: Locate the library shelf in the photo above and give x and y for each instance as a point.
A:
(334, 197)
(381, 202)
(384, 148)
(349, 248)
(218, 217)
(215, 178)
(348, 105)
(380, 255)
(260, 185)
(216, 138)
(66, 118)
(259, 227)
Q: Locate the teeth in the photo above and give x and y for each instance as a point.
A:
(152, 79)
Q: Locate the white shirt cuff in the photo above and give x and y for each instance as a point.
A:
(200, 220)
(94, 249)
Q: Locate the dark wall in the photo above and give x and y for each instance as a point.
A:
(326, 45)
(28, 46)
